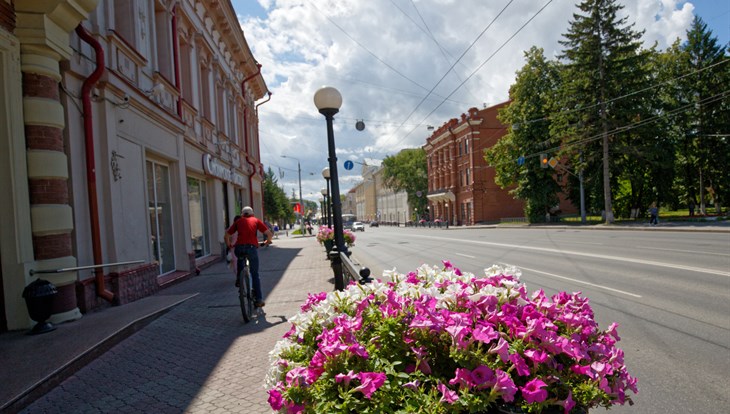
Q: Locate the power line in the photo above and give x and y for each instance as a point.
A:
(449, 70)
(478, 68)
(585, 108)
(626, 128)
(366, 49)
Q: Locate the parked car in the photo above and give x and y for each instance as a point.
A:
(374, 224)
(358, 226)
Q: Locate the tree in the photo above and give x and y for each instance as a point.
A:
(706, 120)
(603, 63)
(407, 171)
(528, 113)
(276, 205)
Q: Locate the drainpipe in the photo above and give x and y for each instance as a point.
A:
(176, 59)
(101, 290)
(256, 111)
(245, 130)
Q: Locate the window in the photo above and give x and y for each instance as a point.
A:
(198, 206)
(467, 176)
(160, 211)
(466, 146)
(205, 90)
(124, 21)
(186, 72)
(164, 39)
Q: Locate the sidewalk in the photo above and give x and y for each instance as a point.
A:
(186, 349)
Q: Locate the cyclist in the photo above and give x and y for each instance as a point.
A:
(246, 245)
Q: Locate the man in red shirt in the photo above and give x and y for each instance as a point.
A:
(247, 242)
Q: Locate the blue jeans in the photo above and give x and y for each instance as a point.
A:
(249, 250)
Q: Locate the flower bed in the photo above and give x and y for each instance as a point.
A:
(326, 233)
(443, 341)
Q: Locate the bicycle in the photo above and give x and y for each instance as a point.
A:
(245, 292)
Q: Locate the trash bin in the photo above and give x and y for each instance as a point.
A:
(39, 296)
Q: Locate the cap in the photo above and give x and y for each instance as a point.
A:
(247, 211)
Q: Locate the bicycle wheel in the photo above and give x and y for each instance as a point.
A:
(244, 295)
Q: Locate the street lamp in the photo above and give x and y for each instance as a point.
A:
(301, 203)
(326, 207)
(328, 101)
(326, 175)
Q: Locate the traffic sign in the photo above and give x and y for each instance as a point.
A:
(553, 162)
(521, 160)
(349, 164)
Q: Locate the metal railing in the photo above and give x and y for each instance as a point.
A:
(351, 272)
(73, 269)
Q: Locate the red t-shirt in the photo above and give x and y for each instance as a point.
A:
(246, 228)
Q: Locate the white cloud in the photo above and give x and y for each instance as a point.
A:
(384, 62)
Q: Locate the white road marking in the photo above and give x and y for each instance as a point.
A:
(583, 254)
(577, 281)
(681, 251)
(465, 255)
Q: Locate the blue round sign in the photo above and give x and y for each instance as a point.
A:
(349, 164)
(521, 160)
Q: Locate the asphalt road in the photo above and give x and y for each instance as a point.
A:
(668, 290)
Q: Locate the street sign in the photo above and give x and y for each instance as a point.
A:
(349, 164)
(553, 162)
(521, 160)
(418, 193)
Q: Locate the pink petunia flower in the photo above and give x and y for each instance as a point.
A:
(449, 396)
(462, 377)
(275, 400)
(505, 386)
(501, 348)
(568, 404)
(370, 382)
(484, 334)
(519, 364)
(483, 376)
(345, 378)
(533, 391)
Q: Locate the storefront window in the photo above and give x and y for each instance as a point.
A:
(198, 206)
(160, 210)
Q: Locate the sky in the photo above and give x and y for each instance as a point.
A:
(404, 65)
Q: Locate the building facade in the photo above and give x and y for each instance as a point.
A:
(131, 143)
(374, 201)
(461, 187)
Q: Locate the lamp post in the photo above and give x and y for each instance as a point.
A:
(301, 203)
(326, 175)
(328, 101)
(325, 207)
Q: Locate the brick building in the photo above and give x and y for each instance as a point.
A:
(461, 185)
(128, 134)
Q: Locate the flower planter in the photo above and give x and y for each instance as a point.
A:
(448, 339)
(328, 244)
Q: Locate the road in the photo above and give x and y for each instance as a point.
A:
(669, 292)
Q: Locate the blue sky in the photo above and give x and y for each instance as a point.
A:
(395, 64)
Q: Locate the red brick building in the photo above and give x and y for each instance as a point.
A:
(461, 185)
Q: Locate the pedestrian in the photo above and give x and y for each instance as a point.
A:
(230, 256)
(246, 246)
(276, 230)
(691, 207)
(653, 214)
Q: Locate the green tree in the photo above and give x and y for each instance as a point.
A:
(276, 204)
(528, 113)
(604, 62)
(706, 116)
(407, 171)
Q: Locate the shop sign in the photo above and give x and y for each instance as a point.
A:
(213, 167)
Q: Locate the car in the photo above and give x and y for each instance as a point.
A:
(374, 224)
(358, 226)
